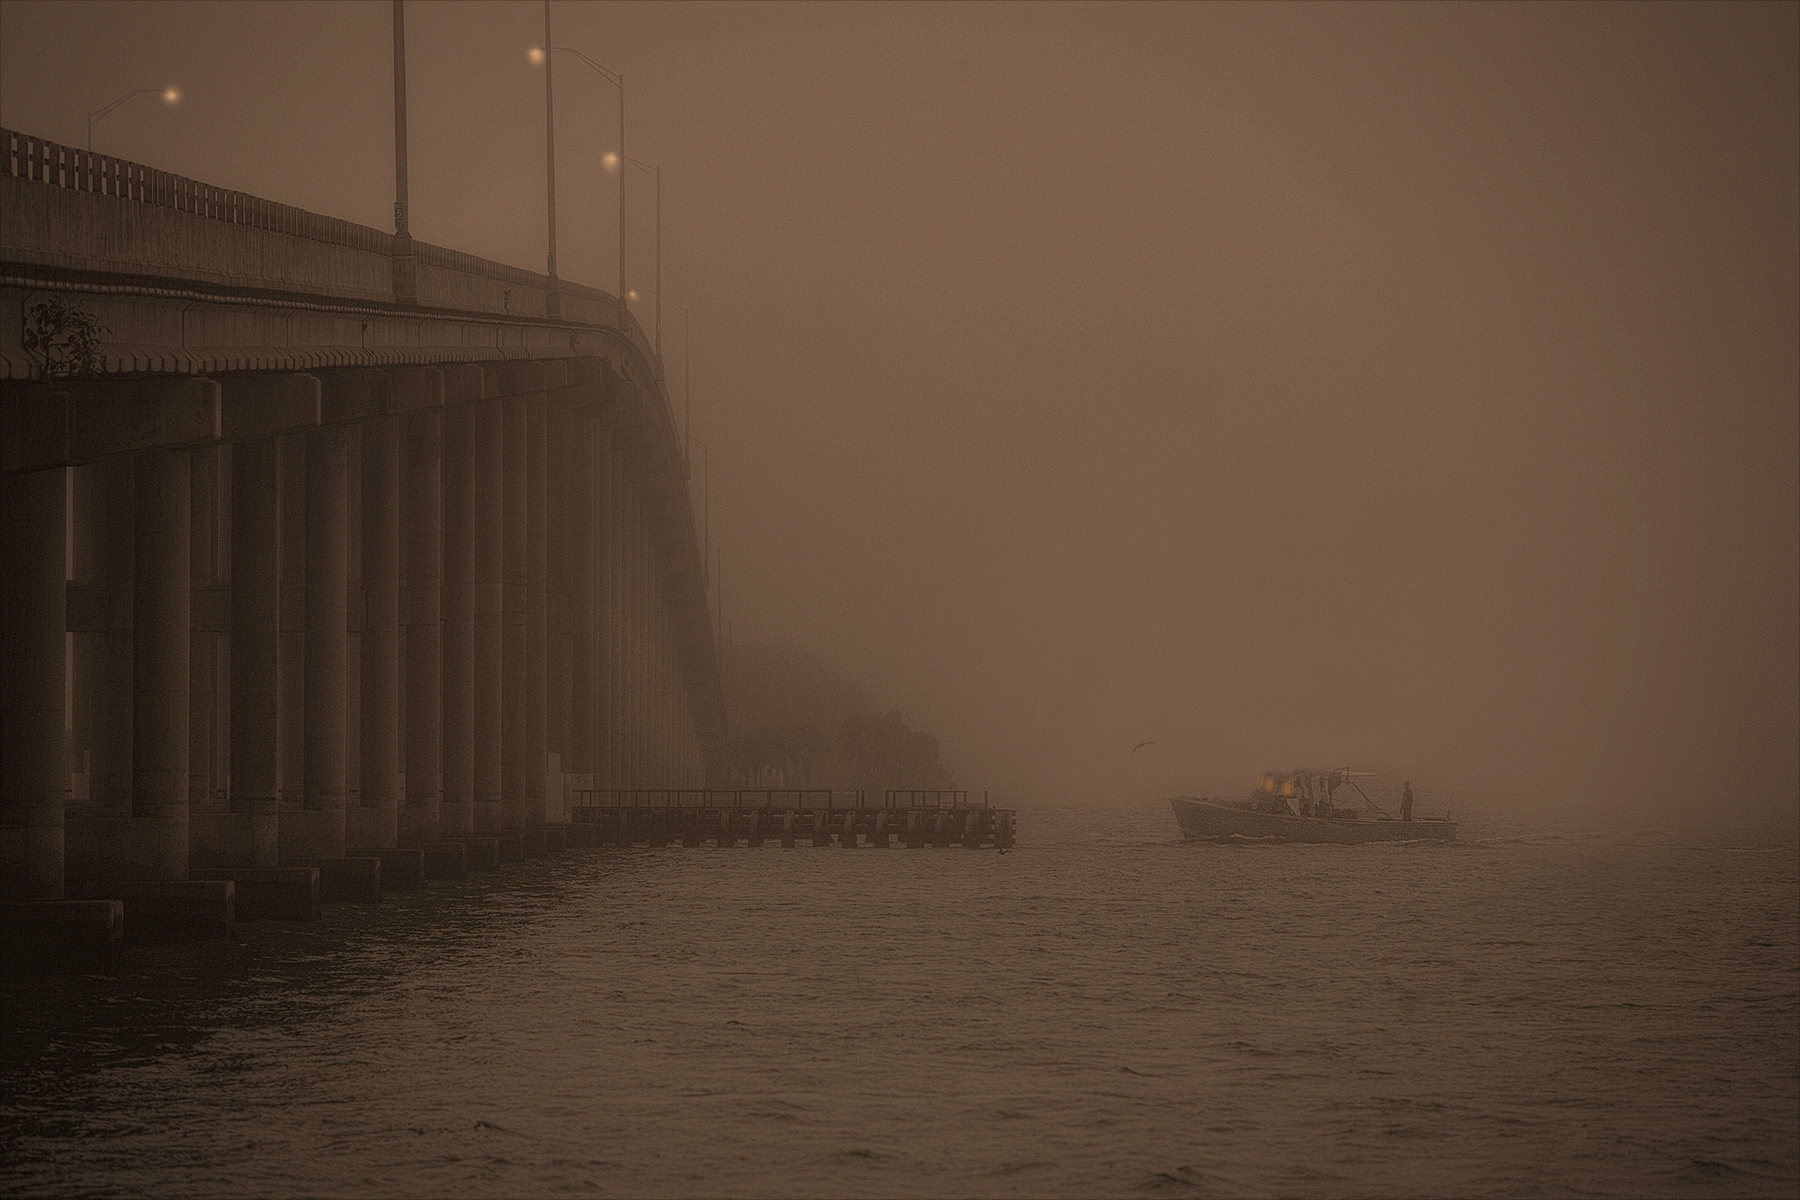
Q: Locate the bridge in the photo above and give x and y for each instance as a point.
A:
(320, 543)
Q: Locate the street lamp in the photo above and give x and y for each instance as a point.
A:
(170, 96)
(656, 171)
(540, 55)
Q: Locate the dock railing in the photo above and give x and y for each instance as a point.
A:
(588, 800)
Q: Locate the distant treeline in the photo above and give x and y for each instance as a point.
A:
(868, 751)
(797, 722)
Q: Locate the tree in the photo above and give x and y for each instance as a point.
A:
(67, 336)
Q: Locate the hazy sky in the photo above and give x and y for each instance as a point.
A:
(1411, 387)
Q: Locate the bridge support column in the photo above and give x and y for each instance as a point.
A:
(160, 642)
(105, 498)
(610, 745)
(458, 811)
(252, 837)
(203, 661)
(33, 766)
(318, 831)
(559, 616)
(375, 824)
(631, 614)
(422, 589)
(488, 452)
(290, 665)
(515, 570)
(606, 547)
(585, 659)
(537, 801)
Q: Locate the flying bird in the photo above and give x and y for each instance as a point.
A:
(1140, 746)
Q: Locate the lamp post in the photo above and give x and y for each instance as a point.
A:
(657, 292)
(541, 55)
(170, 96)
(550, 142)
(401, 228)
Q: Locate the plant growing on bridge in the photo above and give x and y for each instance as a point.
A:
(68, 337)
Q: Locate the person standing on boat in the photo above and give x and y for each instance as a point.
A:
(1406, 802)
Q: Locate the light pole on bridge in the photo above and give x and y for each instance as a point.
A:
(170, 95)
(657, 291)
(541, 55)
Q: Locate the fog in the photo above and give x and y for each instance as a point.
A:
(1412, 388)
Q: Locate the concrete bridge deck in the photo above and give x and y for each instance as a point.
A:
(318, 542)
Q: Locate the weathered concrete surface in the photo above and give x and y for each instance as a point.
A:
(481, 853)
(270, 893)
(344, 880)
(158, 912)
(33, 770)
(61, 937)
(402, 868)
(446, 860)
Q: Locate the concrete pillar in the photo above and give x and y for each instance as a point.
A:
(290, 712)
(422, 592)
(460, 431)
(559, 620)
(33, 765)
(515, 571)
(585, 657)
(537, 809)
(160, 640)
(203, 647)
(105, 499)
(255, 607)
(487, 454)
(376, 823)
(320, 833)
(612, 694)
(354, 613)
(625, 597)
(608, 741)
(638, 573)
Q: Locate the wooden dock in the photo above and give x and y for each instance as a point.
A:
(792, 816)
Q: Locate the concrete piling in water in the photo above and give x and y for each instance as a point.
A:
(271, 893)
(787, 831)
(159, 912)
(61, 937)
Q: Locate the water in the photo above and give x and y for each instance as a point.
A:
(1104, 1011)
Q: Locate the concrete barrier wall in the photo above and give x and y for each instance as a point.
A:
(57, 227)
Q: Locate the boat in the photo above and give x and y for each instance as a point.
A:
(1299, 806)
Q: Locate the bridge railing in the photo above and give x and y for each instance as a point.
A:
(85, 171)
(587, 800)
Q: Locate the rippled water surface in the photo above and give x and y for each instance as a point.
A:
(1104, 1011)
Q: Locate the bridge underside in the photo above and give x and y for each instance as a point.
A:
(300, 569)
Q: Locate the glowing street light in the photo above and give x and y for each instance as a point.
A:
(612, 160)
(540, 56)
(170, 96)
